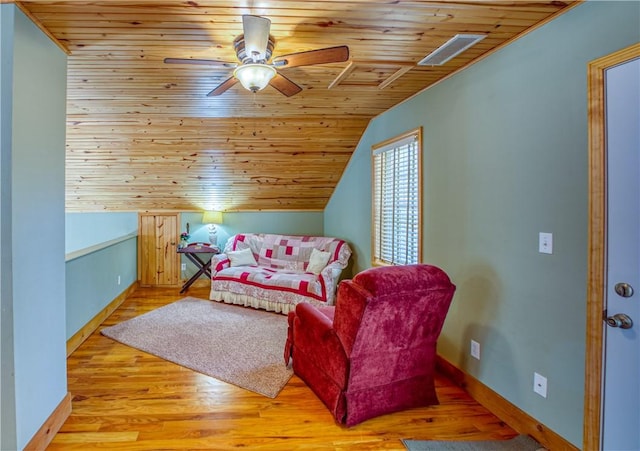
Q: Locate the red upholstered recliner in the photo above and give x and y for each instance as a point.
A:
(374, 352)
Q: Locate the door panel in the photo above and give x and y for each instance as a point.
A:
(159, 263)
(621, 397)
(147, 252)
(166, 257)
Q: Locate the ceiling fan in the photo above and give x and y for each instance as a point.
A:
(256, 70)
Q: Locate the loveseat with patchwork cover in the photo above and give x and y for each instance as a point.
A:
(276, 272)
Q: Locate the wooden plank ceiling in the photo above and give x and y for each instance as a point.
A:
(143, 135)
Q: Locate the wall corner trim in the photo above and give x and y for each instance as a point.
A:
(42, 28)
(97, 247)
(51, 426)
(519, 420)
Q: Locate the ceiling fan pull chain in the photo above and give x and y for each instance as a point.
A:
(255, 118)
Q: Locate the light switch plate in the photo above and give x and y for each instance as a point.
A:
(545, 243)
(475, 349)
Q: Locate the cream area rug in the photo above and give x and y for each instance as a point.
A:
(234, 344)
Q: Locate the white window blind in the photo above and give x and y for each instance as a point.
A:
(396, 201)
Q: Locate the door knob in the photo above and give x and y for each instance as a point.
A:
(624, 289)
(620, 320)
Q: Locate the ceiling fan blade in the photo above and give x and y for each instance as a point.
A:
(201, 62)
(256, 36)
(284, 85)
(320, 56)
(222, 87)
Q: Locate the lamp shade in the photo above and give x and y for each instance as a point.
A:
(212, 217)
(254, 77)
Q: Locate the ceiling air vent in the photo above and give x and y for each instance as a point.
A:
(453, 47)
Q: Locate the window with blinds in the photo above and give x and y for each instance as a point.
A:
(397, 209)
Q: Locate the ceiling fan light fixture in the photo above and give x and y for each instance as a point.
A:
(254, 77)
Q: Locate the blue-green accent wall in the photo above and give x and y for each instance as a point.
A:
(7, 382)
(84, 230)
(505, 157)
(101, 263)
(35, 300)
(92, 281)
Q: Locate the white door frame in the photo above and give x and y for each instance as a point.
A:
(592, 423)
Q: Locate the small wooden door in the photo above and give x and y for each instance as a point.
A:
(158, 261)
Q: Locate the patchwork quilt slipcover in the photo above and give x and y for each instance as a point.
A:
(280, 279)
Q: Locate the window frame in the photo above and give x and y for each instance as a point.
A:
(379, 148)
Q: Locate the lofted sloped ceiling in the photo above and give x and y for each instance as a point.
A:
(143, 135)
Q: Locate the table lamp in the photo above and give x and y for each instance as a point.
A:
(212, 217)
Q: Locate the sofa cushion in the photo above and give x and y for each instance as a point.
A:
(242, 257)
(317, 261)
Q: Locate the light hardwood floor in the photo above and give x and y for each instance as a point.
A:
(129, 400)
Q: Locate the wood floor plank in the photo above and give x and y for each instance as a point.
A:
(126, 399)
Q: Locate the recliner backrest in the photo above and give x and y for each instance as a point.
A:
(392, 308)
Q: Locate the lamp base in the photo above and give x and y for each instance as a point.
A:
(213, 235)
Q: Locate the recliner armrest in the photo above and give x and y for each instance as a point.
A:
(315, 337)
(312, 317)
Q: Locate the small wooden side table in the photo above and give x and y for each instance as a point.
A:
(191, 251)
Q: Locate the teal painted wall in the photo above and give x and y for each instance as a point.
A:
(93, 268)
(92, 281)
(100, 248)
(36, 300)
(505, 157)
(282, 222)
(84, 230)
(7, 383)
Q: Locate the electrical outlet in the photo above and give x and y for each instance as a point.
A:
(545, 243)
(540, 384)
(118, 280)
(184, 267)
(475, 349)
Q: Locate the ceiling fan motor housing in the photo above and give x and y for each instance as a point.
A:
(239, 46)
